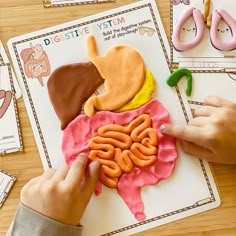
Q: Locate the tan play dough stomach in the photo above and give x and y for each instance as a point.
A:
(123, 70)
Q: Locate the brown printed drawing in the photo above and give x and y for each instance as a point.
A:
(36, 63)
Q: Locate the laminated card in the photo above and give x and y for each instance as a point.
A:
(61, 3)
(10, 133)
(6, 183)
(189, 188)
(212, 56)
(205, 35)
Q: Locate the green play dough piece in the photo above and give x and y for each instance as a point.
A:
(175, 77)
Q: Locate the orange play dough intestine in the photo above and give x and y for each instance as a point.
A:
(120, 148)
(123, 70)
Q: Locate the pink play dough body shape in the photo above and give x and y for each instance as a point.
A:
(216, 18)
(77, 134)
(199, 23)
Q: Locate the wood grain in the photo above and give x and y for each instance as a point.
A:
(24, 16)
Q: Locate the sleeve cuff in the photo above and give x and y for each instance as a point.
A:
(28, 222)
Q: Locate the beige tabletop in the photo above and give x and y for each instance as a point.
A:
(18, 17)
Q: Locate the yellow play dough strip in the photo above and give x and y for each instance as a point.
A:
(143, 96)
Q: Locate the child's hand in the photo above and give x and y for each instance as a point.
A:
(211, 134)
(62, 194)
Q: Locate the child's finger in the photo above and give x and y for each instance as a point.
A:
(61, 173)
(47, 175)
(203, 111)
(185, 132)
(216, 101)
(90, 180)
(197, 151)
(75, 174)
(200, 121)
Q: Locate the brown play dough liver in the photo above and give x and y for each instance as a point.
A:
(69, 86)
(123, 69)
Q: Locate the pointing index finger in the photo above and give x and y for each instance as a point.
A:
(76, 172)
(184, 132)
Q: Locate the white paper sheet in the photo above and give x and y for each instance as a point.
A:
(60, 3)
(204, 57)
(191, 189)
(3, 60)
(71, 1)
(210, 84)
(10, 133)
(6, 183)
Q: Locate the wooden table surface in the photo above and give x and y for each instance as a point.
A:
(18, 17)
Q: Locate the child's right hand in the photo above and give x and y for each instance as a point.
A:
(211, 134)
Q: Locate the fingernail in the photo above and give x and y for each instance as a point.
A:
(82, 155)
(162, 127)
(96, 163)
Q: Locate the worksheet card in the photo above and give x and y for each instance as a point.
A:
(61, 3)
(205, 56)
(10, 133)
(210, 84)
(6, 183)
(4, 60)
(190, 189)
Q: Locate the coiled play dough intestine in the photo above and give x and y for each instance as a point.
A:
(216, 18)
(127, 146)
(123, 70)
(199, 24)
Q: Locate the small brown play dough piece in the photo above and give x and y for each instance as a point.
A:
(123, 69)
(69, 86)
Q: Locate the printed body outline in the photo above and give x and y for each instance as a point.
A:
(36, 63)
